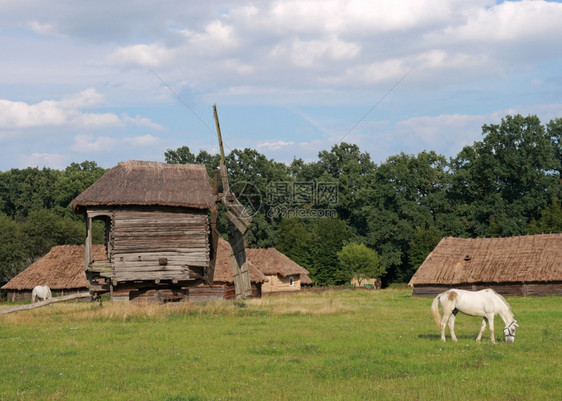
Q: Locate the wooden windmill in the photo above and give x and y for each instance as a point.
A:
(238, 223)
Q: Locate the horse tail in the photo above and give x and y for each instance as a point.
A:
(435, 310)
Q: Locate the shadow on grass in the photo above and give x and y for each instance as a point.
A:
(448, 337)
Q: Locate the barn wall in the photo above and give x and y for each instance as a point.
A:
(506, 289)
(158, 244)
(144, 292)
(25, 295)
(277, 283)
(19, 296)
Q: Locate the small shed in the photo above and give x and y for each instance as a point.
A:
(62, 270)
(157, 230)
(523, 265)
(374, 283)
(283, 274)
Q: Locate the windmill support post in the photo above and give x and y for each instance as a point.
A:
(238, 223)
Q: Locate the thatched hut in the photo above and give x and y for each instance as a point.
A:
(524, 265)
(157, 226)
(62, 270)
(283, 274)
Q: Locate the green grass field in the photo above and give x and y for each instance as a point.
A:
(336, 345)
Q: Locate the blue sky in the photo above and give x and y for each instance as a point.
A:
(290, 78)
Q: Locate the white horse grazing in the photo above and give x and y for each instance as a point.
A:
(486, 303)
(42, 292)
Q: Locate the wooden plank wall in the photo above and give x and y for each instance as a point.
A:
(220, 291)
(159, 245)
(505, 289)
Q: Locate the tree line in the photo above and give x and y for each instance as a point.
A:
(322, 213)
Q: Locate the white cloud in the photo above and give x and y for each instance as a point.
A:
(88, 144)
(239, 67)
(141, 121)
(152, 55)
(364, 16)
(445, 128)
(511, 21)
(52, 160)
(308, 53)
(380, 71)
(273, 145)
(66, 113)
(141, 141)
(85, 99)
(215, 38)
(43, 28)
(14, 115)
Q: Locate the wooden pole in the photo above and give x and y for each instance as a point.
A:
(218, 132)
(88, 242)
(225, 187)
(46, 302)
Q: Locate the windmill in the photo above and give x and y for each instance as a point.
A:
(238, 223)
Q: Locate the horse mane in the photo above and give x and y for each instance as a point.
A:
(502, 299)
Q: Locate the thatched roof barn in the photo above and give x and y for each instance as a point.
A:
(524, 265)
(283, 274)
(157, 226)
(62, 270)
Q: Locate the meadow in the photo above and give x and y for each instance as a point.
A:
(334, 345)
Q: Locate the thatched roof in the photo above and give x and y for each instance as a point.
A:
(305, 279)
(270, 262)
(223, 266)
(141, 183)
(61, 268)
(454, 261)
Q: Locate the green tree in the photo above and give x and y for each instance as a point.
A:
(407, 191)
(12, 249)
(294, 240)
(550, 220)
(554, 132)
(181, 155)
(360, 262)
(501, 182)
(424, 240)
(44, 229)
(352, 170)
(74, 180)
(328, 237)
(22, 191)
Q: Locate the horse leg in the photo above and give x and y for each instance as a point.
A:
(444, 319)
(482, 328)
(452, 325)
(491, 324)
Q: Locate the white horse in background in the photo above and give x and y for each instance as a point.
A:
(42, 292)
(486, 303)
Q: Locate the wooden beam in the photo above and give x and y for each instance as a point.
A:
(88, 243)
(240, 271)
(46, 302)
